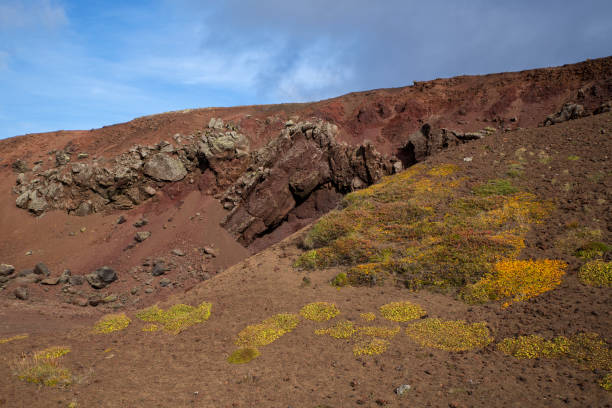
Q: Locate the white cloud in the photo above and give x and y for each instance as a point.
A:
(31, 13)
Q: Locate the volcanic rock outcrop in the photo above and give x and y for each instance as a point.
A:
(283, 174)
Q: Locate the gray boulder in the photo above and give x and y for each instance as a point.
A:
(101, 277)
(141, 236)
(165, 167)
(21, 293)
(41, 269)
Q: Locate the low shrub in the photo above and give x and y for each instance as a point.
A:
(401, 311)
(341, 330)
(177, 317)
(319, 311)
(268, 331)
(243, 355)
(370, 346)
(596, 273)
(111, 323)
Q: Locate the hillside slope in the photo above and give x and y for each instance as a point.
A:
(530, 194)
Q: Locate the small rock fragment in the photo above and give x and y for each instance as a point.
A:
(178, 252)
(141, 222)
(41, 269)
(402, 389)
(22, 293)
(50, 281)
(142, 235)
(164, 282)
(6, 270)
(121, 220)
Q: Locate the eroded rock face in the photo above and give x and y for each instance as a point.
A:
(83, 188)
(569, 111)
(281, 175)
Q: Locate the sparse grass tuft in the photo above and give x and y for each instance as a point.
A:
(518, 280)
(370, 346)
(16, 337)
(573, 157)
(111, 322)
(319, 311)
(243, 355)
(606, 382)
(452, 335)
(341, 330)
(402, 311)
(178, 317)
(340, 280)
(592, 250)
(43, 368)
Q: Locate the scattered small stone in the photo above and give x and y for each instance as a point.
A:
(210, 251)
(72, 234)
(80, 301)
(27, 279)
(41, 269)
(50, 281)
(6, 270)
(142, 235)
(150, 190)
(110, 299)
(21, 293)
(141, 222)
(149, 290)
(65, 276)
(134, 290)
(164, 282)
(159, 269)
(178, 252)
(402, 389)
(76, 280)
(121, 220)
(94, 300)
(28, 253)
(83, 229)
(83, 156)
(467, 159)
(20, 166)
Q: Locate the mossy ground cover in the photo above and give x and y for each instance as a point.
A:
(111, 323)
(319, 311)
(44, 368)
(257, 335)
(424, 227)
(596, 273)
(586, 350)
(178, 317)
(401, 311)
(453, 335)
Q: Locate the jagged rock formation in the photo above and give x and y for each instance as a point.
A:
(569, 111)
(426, 142)
(284, 173)
(83, 188)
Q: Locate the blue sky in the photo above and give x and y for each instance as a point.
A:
(84, 64)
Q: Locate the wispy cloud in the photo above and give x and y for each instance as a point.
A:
(28, 13)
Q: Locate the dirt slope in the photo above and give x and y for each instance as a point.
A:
(302, 369)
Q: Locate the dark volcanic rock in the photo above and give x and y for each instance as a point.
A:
(284, 173)
(159, 269)
(41, 269)
(569, 111)
(101, 277)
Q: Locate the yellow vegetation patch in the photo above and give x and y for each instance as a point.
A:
(606, 382)
(267, 331)
(378, 331)
(43, 367)
(150, 328)
(443, 170)
(370, 346)
(402, 311)
(178, 317)
(596, 273)
(111, 322)
(586, 350)
(16, 337)
(319, 311)
(341, 330)
(243, 355)
(452, 335)
(518, 280)
(368, 317)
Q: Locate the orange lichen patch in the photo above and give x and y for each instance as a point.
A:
(402, 311)
(453, 335)
(319, 311)
(341, 330)
(13, 338)
(518, 280)
(370, 346)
